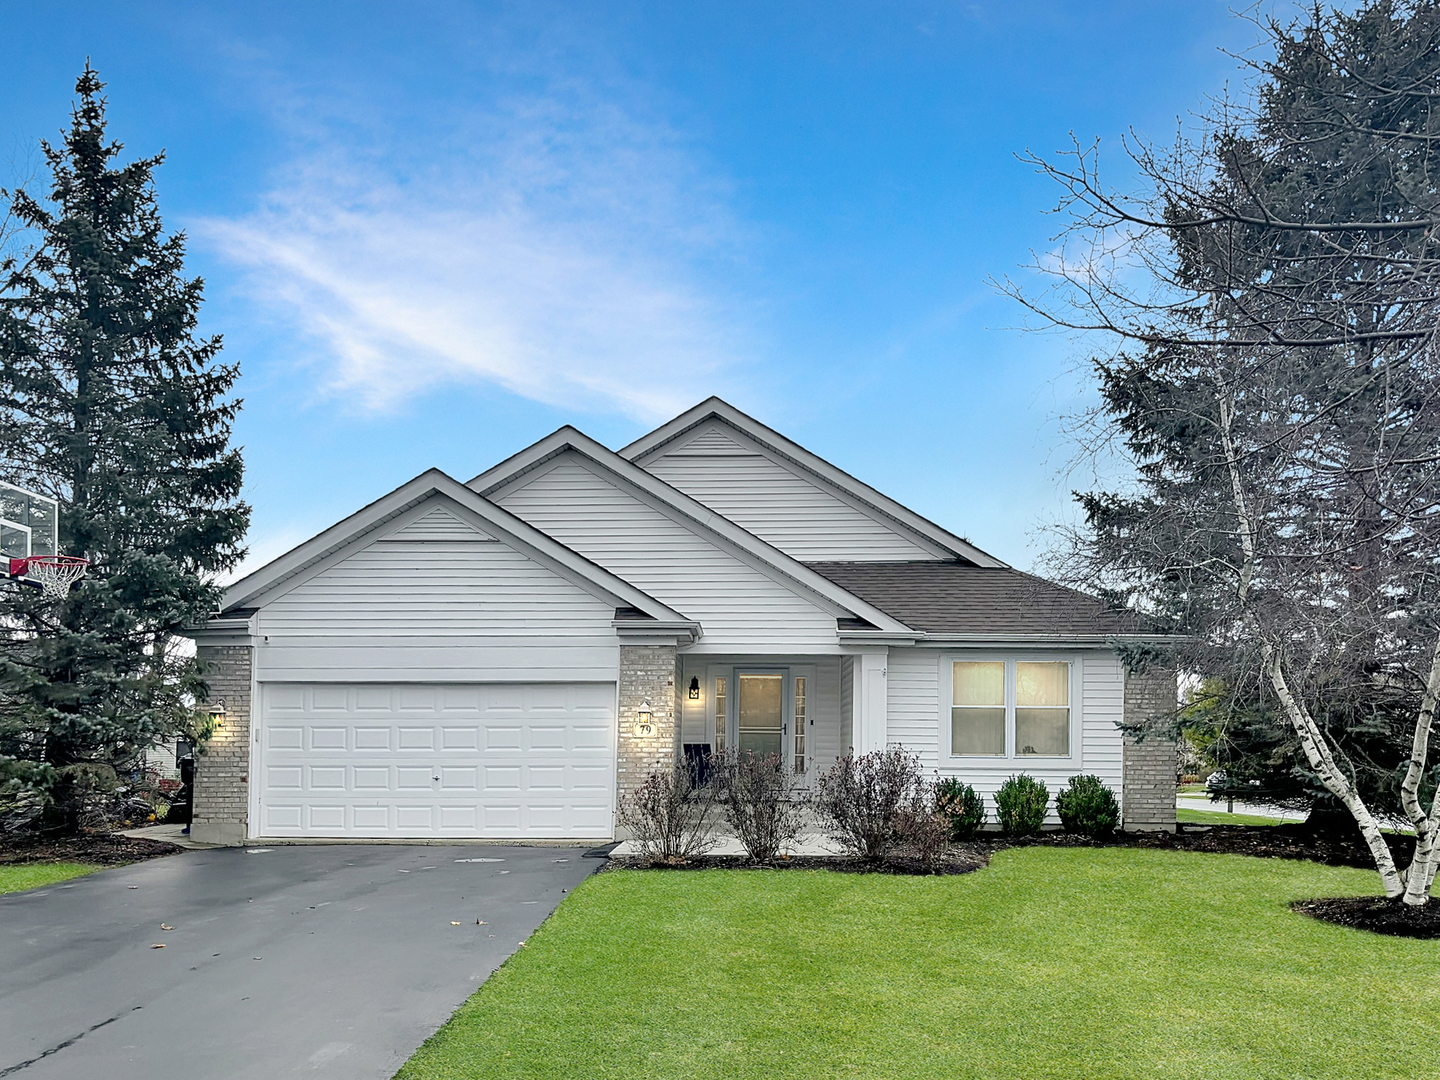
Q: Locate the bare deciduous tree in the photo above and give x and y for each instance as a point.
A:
(1275, 289)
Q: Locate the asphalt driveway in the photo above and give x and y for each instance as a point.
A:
(316, 961)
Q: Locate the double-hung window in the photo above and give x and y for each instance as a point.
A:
(1010, 708)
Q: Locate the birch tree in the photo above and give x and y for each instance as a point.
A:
(1274, 288)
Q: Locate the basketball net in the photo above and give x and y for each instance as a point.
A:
(55, 574)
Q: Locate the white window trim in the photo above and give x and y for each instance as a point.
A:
(1009, 759)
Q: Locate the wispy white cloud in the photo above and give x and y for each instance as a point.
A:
(561, 249)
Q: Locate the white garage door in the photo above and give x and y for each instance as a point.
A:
(494, 760)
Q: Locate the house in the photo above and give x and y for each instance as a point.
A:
(504, 658)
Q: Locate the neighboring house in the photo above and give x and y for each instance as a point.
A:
(504, 658)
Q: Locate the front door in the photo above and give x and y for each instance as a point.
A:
(760, 712)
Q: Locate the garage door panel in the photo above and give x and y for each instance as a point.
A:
(460, 738)
(327, 778)
(372, 738)
(328, 738)
(326, 817)
(378, 699)
(502, 761)
(371, 778)
(330, 699)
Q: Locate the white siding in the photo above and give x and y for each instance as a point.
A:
(1102, 746)
(913, 706)
(847, 704)
(914, 721)
(437, 600)
(791, 509)
(735, 603)
(824, 738)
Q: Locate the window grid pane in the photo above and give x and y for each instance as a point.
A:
(979, 684)
(977, 731)
(1035, 712)
(1042, 684)
(720, 715)
(799, 724)
(1042, 732)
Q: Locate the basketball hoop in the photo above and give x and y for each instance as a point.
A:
(55, 574)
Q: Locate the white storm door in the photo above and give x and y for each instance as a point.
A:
(760, 712)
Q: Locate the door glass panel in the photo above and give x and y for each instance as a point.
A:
(761, 713)
(720, 716)
(799, 724)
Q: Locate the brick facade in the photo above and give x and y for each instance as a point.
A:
(222, 768)
(1148, 800)
(647, 673)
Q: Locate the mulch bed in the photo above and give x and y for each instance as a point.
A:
(1260, 841)
(1266, 842)
(959, 860)
(1378, 914)
(100, 849)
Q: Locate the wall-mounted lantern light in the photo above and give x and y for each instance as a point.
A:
(694, 687)
(217, 713)
(644, 719)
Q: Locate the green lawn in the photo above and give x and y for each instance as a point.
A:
(23, 876)
(1220, 817)
(1052, 962)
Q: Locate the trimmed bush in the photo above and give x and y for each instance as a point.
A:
(923, 831)
(760, 801)
(864, 798)
(1020, 805)
(669, 817)
(961, 806)
(1088, 807)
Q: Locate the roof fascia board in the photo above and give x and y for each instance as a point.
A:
(837, 478)
(1059, 641)
(684, 510)
(407, 503)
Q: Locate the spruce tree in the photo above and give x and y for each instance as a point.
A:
(111, 402)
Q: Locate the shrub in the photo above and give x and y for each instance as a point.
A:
(923, 830)
(961, 806)
(1020, 805)
(669, 817)
(760, 801)
(1088, 807)
(863, 799)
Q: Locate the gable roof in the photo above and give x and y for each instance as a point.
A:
(947, 599)
(694, 515)
(837, 480)
(299, 564)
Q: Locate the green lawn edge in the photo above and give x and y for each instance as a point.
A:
(1052, 962)
(1220, 817)
(19, 877)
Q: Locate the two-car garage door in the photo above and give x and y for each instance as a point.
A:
(418, 760)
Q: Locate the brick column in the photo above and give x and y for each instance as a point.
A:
(222, 766)
(1148, 800)
(647, 673)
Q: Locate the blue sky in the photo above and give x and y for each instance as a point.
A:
(432, 233)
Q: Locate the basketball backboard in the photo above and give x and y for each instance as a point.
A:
(29, 523)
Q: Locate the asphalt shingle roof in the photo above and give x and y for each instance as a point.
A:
(953, 598)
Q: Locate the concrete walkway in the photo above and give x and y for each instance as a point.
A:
(1202, 802)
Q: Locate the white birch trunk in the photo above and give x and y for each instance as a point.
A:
(1317, 752)
(1312, 739)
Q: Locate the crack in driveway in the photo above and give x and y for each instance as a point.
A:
(68, 1042)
